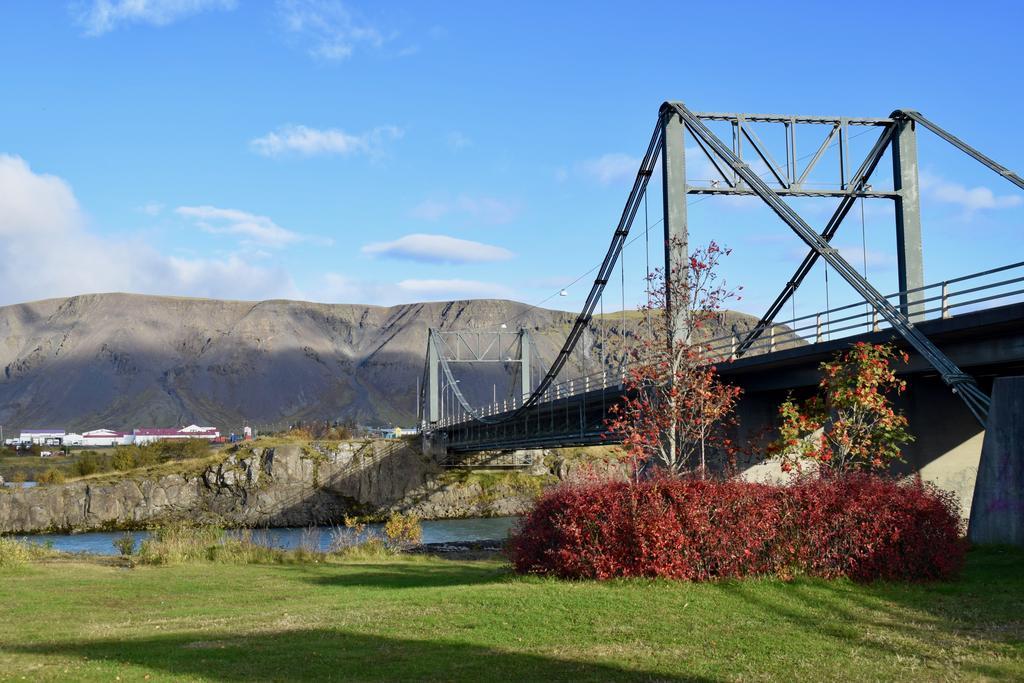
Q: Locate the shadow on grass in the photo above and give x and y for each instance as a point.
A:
(318, 654)
(984, 604)
(389, 576)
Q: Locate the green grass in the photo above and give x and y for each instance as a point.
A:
(416, 618)
(31, 466)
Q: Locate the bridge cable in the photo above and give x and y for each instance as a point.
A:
(959, 144)
(622, 330)
(596, 293)
(655, 224)
(605, 271)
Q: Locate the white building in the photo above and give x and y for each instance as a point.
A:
(71, 439)
(106, 437)
(42, 437)
(149, 435)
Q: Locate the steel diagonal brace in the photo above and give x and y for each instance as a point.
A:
(962, 384)
(959, 144)
(860, 180)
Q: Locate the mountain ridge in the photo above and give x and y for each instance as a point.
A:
(122, 360)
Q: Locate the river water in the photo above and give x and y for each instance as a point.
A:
(434, 531)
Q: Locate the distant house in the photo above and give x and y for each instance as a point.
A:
(42, 437)
(106, 437)
(146, 435)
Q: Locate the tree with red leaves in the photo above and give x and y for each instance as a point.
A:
(851, 424)
(676, 407)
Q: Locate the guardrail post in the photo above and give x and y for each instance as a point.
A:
(874, 320)
(771, 338)
(732, 348)
(586, 384)
(945, 300)
(572, 391)
(817, 329)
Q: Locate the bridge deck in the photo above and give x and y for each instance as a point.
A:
(986, 343)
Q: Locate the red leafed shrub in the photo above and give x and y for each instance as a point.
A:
(862, 526)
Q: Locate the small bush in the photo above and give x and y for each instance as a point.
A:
(184, 543)
(180, 543)
(122, 460)
(402, 531)
(51, 476)
(91, 462)
(862, 526)
(345, 539)
(368, 549)
(14, 553)
(125, 544)
(19, 477)
(144, 457)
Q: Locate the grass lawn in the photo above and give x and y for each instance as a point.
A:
(31, 466)
(416, 618)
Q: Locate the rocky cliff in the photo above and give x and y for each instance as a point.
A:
(291, 485)
(123, 360)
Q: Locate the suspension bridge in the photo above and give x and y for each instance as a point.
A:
(961, 332)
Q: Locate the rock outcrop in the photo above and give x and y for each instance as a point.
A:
(291, 485)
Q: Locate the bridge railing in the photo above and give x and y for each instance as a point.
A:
(944, 299)
(609, 379)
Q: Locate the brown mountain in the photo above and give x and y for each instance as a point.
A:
(125, 360)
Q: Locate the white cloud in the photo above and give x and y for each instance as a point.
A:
(253, 228)
(437, 249)
(103, 16)
(328, 29)
(307, 141)
(610, 168)
(338, 288)
(41, 220)
(970, 199)
(484, 209)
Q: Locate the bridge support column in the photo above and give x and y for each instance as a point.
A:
(673, 176)
(908, 218)
(997, 510)
(524, 364)
(433, 388)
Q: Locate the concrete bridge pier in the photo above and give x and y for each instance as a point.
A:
(997, 511)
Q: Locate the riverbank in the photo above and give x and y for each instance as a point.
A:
(436, 534)
(289, 484)
(428, 618)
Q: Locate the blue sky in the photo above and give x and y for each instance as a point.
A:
(385, 153)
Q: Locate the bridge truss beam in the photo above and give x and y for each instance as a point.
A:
(962, 384)
(447, 347)
(789, 179)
